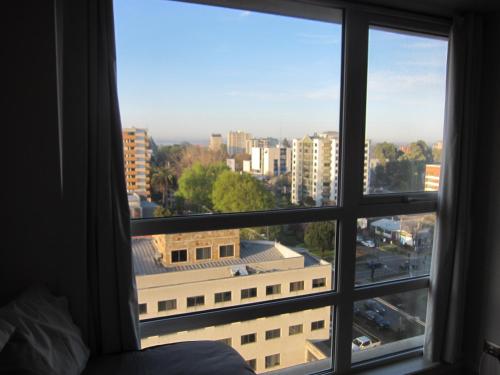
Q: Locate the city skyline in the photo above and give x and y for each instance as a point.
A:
(268, 75)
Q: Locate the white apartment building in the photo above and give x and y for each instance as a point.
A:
(204, 270)
(271, 161)
(315, 168)
(237, 142)
(137, 158)
(215, 143)
(260, 142)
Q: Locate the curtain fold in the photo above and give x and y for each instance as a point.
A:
(445, 311)
(102, 293)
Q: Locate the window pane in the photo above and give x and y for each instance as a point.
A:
(405, 111)
(388, 324)
(241, 108)
(291, 336)
(394, 247)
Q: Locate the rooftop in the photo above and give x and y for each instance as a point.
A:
(251, 253)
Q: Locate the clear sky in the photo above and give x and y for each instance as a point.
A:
(186, 71)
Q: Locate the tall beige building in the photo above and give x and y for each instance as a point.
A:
(181, 273)
(315, 168)
(237, 142)
(215, 142)
(137, 159)
(271, 161)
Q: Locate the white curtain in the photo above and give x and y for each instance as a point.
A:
(99, 278)
(445, 312)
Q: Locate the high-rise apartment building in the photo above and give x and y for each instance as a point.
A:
(137, 159)
(237, 141)
(432, 177)
(315, 168)
(181, 273)
(215, 142)
(271, 161)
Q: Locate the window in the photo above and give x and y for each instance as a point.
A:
(226, 251)
(296, 286)
(295, 329)
(228, 341)
(272, 360)
(273, 334)
(376, 159)
(319, 283)
(179, 256)
(222, 297)
(143, 308)
(273, 289)
(248, 339)
(167, 305)
(248, 293)
(195, 301)
(320, 324)
(203, 253)
(252, 363)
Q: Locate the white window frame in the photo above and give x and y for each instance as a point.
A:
(352, 204)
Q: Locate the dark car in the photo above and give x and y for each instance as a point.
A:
(381, 323)
(375, 306)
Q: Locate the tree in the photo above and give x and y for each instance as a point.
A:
(196, 184)
(385, 152)
(161, 212)
(320, 236)
(200, 155)
(309, 201)
(285, 143)
(419, 151)
(436, 155)
(162, 181)
(234, 192)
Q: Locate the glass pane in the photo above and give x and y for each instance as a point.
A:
(271, 343)
(226, 110)
(388, 324)
(394, 247)
(405, 111)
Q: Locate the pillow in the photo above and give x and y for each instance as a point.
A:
(6, 330)
(45, 340)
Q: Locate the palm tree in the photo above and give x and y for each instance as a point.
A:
(162, 180)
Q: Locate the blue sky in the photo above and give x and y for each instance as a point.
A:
(186, 71)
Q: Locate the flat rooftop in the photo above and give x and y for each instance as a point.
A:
(251, 252)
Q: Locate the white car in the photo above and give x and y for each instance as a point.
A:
(368, 243)
(363, 343)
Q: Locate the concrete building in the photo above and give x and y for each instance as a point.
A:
(137, 159)
(260, 142)
(315, 168)
(180, 273)
(237, 142)
(432, 177)
(271, 161)
(215, 143)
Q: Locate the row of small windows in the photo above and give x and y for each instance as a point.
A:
(271, 334)
(202, 253)
(227, 296)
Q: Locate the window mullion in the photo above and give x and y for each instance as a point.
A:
(353, 143)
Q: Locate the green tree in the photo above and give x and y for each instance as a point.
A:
(320, 236)
(234, 192)
(419, 151)
(162, 181)
(386, 152)
(161, 212)
(196, 185)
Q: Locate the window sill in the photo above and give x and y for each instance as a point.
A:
(411, 366)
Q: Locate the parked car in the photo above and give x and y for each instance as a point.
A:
(381, 323)
(363, 343)
(375, 306)
(368, 243)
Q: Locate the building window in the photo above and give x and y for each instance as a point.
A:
(319, 324)
(295, 329)
(203, 253)
(248, 293)
(195, 301)
(248, 339)
(295, 286)
(273, 334)
(167, 305)
(272, 360)
(226, 251)
(228, 341)
(273, 289)
(222, 297)
(319, 283)
(179, 256)
(252, 363)
(143, 308)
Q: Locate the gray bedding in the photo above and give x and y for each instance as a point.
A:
(190, 358)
